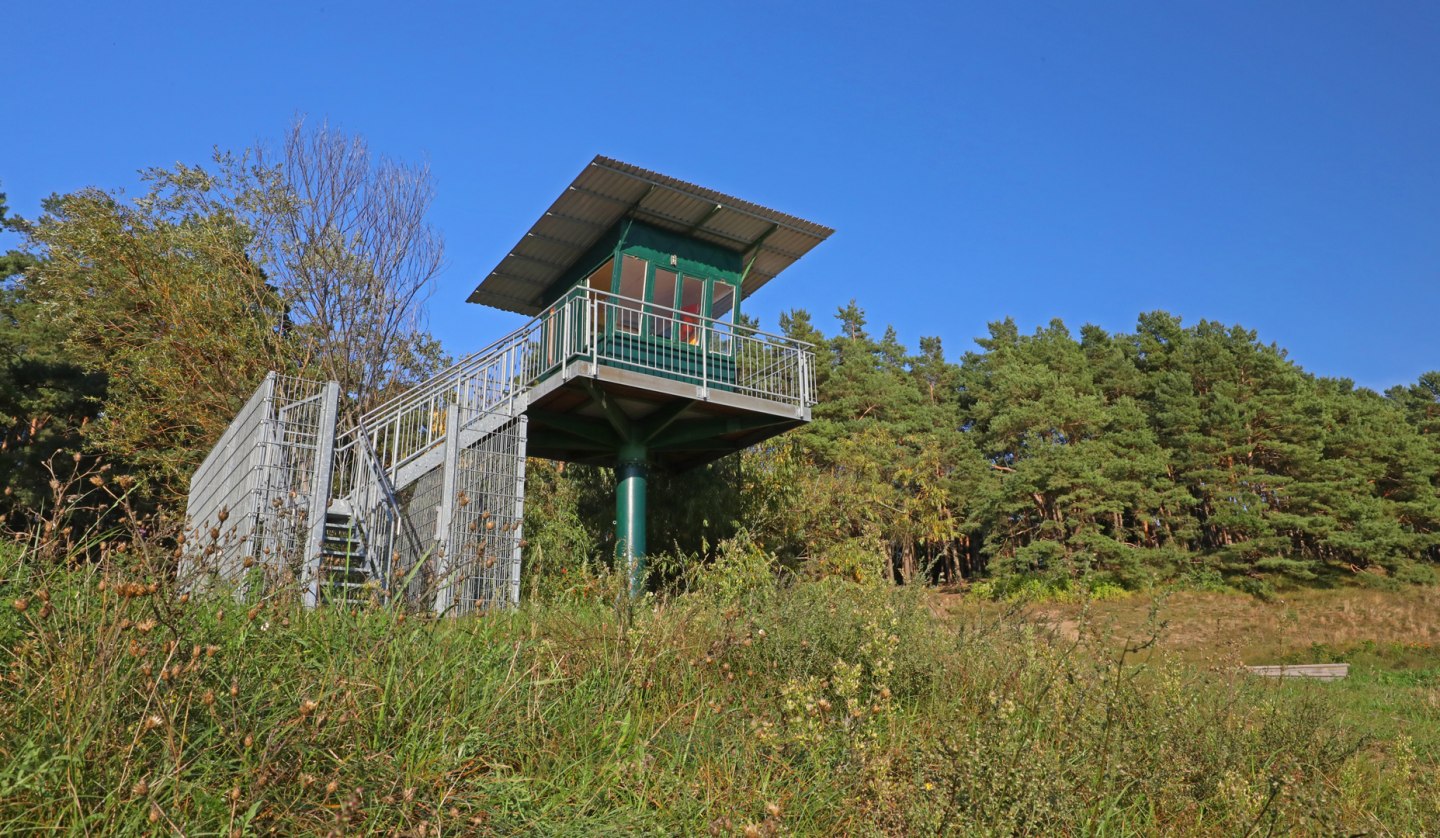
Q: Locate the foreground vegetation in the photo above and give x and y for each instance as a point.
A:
(739, 708)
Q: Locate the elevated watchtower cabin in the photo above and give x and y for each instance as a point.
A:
(634, 357)
(638, 281)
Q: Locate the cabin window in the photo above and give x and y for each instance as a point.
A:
(662, 298)
(632, 294)
(692, 291)
(722, 301)
(603, 276)
(601, 280)
(722, 309)
(658, 301)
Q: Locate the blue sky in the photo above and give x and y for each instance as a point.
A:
(1275, 165)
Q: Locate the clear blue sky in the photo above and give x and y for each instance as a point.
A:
(1270, 164)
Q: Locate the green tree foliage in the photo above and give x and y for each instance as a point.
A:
(161, 297)
(150, 322)
(1174, 452)
(886, 469)
(47, 397)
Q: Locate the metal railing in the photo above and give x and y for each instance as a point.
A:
(414, 422)
(362, 490)
(598, 328)
(255, 495)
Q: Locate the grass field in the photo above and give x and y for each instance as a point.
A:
(1391, 639)
(742, 708)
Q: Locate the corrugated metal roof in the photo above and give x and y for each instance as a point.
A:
(609, 190)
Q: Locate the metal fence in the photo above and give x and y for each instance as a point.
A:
(417, 549)
(252, 502)
(486, 517)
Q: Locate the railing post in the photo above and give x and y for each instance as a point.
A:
(394, 453)
(320, 492)
(803, 365)
(444, 562)
(517, 536)
(569, 345)
(705, 335)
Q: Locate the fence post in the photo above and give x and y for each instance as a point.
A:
(320, 491)
(444, 563)
(517, 536)
(706, 334)
(804, 377)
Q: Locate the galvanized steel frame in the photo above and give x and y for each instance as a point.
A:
(252, 502)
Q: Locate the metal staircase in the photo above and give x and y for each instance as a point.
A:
(347, 575)
(426, 509)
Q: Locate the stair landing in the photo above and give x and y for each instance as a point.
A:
(580, 414)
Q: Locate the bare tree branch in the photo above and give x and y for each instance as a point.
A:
(355, 260)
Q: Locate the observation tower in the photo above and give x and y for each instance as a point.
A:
(634, 357)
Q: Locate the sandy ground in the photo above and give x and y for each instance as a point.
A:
(1242, 629)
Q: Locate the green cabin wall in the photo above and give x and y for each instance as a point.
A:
(636, 238)
(692, 256)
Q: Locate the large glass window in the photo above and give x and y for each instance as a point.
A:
(603, 276)
(660, 302)
(722, 301)
(722, 310)
(692, 296)
(632, 293)
(662, 297)
(601, 281)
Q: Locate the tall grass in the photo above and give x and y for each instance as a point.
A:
(823, 707)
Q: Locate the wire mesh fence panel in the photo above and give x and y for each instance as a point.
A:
(290, 474)
(249, 503)
(487, 516)
(413, 572)
(224, 503)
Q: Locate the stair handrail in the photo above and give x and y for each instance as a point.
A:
(412, 423)
(361, 438)
(367, 471)
(447, 378)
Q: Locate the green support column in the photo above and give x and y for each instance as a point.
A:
(630, 473)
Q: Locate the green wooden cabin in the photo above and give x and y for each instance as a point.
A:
(666, 285)
(637, 281)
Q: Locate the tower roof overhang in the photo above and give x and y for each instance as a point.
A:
(608, 191)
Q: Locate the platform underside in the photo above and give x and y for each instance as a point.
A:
(586, 413)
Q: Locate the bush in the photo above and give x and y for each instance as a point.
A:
(742, 574)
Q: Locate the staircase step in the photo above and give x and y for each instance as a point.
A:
(343, 561)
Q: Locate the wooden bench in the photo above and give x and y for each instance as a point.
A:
(1318, 671)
